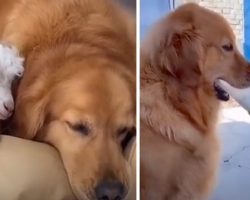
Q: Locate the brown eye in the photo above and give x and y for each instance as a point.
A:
(80, 128)
(125, 136)
(228, 47)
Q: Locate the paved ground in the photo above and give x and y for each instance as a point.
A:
(234, 174)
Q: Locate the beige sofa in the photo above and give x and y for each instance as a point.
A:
(34, 171)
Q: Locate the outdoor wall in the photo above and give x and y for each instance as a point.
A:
(232, 10)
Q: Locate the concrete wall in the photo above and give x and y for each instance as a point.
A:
(232, 10)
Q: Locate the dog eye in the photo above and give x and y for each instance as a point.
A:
(228, 47)
(81, 128)
(125, 136)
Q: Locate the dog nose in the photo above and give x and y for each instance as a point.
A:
(110, 190)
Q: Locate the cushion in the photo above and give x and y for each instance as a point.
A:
(31, 170)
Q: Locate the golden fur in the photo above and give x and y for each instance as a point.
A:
(181, 59)
(79, 72)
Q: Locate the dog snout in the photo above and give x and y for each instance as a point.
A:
(110, 190)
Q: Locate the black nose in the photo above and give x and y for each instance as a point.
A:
(110, 190)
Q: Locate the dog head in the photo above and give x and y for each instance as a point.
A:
(196, 45)
(85, 108)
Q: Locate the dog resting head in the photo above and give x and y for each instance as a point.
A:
(196, 46)
(78, 89)
(85, 107)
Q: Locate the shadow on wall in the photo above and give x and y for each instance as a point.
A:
(234, 171)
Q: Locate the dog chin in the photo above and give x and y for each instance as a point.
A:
(220, 93)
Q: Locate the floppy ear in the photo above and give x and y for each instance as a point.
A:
(30, 117)
(180, 53)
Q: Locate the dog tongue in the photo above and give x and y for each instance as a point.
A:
(220, 92)
(242, 96)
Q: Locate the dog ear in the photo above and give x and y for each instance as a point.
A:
(180, 53)
(30, 117)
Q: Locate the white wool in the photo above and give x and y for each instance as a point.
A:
(242, 96)
(11, 64)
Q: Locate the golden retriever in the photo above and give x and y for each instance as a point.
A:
(78, 88)
(181, 60)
